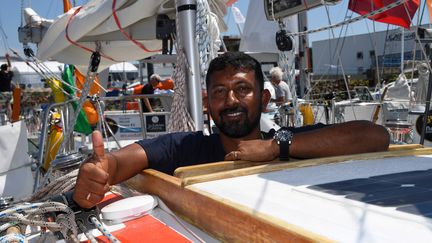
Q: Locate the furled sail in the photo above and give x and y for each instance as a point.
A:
(123, 30)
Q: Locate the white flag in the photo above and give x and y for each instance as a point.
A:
(238, 16)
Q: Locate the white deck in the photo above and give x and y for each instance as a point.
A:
(284, 195)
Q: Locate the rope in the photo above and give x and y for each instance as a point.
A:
(117, 21)
(65, 222)
(87, 233)
(8, 225)
(103, 230)
(349, 21)
(45, 191)
(204, 28)
(13, 238)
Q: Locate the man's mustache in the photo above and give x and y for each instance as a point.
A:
(233, 110)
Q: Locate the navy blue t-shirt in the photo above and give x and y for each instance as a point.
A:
(170, 151)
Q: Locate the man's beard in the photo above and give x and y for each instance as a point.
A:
(236, 129)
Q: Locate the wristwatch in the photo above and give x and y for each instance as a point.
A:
(283, 137)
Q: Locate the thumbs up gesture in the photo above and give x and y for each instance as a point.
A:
(92, 182)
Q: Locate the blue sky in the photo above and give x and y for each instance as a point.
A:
(10, 19)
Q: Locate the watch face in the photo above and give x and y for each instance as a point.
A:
(283, 135)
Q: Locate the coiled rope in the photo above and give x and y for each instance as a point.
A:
(65, 223)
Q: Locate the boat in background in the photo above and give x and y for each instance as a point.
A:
(343, 198)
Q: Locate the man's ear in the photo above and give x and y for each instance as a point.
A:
(205, 100)
(265, 99)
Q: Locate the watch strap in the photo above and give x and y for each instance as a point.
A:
(284, 150)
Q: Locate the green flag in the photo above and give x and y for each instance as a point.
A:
(82, 125)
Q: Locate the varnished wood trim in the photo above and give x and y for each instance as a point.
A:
(302, 163)
(203, 169)
(397, 147)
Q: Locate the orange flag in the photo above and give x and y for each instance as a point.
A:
(88, 107)
(66, 6)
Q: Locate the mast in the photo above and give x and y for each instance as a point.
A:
(186, 11)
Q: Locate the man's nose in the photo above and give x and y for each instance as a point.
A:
(231, 98)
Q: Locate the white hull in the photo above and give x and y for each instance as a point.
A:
(16, 177)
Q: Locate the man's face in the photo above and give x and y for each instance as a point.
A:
(235, 101)
(274, 80)
(154, 82)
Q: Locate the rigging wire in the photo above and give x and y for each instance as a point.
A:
(48, 10)
(342, 69)
(417, 37)
(384, 51)
(378, 11)
(337, 49)
(3, 36)
(375, 51)
(321, 77)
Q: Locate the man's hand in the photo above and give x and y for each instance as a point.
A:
(255, 150)
(92, 182)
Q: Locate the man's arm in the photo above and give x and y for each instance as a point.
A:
(8, 62)
(148, 105)
(279, 100)
(103, 170)
(340, 139)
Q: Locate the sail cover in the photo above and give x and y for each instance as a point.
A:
(113, 26)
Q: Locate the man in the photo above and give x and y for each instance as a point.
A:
(235, 99)
(6, 76)
(149, 88)
(6, 85)
(282, 90)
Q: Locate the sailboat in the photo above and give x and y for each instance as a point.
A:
(345, 198)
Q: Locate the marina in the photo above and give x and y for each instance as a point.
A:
(88, 70)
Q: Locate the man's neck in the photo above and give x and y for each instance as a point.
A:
(231, 144)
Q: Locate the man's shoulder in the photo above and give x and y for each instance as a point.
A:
(283, 84)
(191, 135)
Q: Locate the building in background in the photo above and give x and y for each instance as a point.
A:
(361, 55)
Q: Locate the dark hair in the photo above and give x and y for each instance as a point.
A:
(4, 67)
(237, 60)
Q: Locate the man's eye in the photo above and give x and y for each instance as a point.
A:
(219, 92)
(243, 90)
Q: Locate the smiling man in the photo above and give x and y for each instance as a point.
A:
(236, 97)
